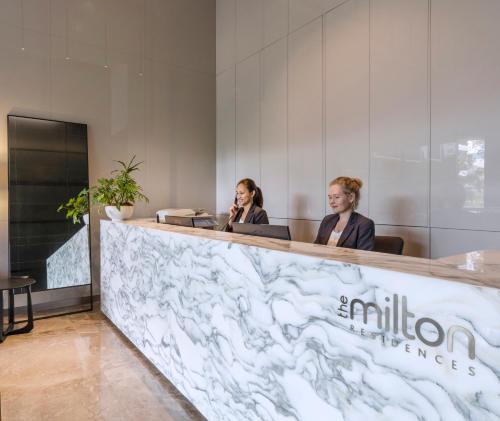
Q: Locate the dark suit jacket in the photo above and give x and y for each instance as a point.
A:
(255, 215)
(359, 232)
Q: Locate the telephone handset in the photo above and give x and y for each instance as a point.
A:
(235, 203)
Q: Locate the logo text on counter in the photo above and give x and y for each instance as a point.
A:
(388, 320)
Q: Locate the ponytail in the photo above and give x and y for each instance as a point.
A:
(258, 199)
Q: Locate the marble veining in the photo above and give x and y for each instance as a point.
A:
(251, 333)
(487, 276)
(69, 265)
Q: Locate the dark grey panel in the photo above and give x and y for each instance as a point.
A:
(48, 164)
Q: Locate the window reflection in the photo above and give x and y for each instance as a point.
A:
(473, 261)
(470, 166)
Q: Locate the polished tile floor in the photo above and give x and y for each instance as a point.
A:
(79, 367)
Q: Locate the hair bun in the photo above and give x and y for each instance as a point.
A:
(350, 185)
(358, 182)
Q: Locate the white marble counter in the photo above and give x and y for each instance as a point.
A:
(259, 329)
(451, 270)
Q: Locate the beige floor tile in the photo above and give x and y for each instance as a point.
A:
(79, 367)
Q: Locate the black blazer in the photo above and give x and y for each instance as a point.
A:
(359, 232)
(255, 215)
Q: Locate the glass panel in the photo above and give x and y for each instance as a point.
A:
(48, 164)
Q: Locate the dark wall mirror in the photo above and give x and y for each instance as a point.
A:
(48, 164)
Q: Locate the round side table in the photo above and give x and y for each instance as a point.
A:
(10, 285)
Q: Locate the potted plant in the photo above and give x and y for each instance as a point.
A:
(119, 193)
(77, 208)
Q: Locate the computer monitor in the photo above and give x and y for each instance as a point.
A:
(183, 221)
(281, 232)
(205, 221)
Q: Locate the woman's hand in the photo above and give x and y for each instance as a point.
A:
(232, 211)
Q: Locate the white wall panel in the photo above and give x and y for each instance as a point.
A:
(465, 76)
(10, 13)
(182, 33)
(249, 27)
(274, 181)
(300, 230)
(225, 34)
(416, 239)
(399, 183)
(129, 115)
(194, 141)
(275, 20)
(448, 242)
(304, 11)
(347, 81)
(370, 91)
(305, 120)
(167, 111)
(127, 29)
(80, 21)
(303, 230)
(278, 221)
(160, 132)
(226, 119)
(88, 82)
(248, 119)
(36, 14)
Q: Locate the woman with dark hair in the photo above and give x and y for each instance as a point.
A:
(247, 206)
(345, 227)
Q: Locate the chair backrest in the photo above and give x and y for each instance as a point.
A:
(386, 244)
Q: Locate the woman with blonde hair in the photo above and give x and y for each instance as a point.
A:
(345, 227)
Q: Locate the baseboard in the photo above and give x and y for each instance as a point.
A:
(60, 307)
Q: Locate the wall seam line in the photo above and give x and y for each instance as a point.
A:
(323, 106)
(287, 116)
(429, 103)
(261, 85)
(369, 107)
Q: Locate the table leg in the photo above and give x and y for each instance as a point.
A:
(11, 310)
(28, 327)
(1, 317)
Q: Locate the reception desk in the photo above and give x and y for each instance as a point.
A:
(251, 328)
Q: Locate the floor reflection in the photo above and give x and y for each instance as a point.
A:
(79, 367)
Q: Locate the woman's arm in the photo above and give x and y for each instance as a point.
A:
(320, 231)
(366, 236)
(261, 217)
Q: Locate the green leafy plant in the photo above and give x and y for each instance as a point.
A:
(76, 207)
(104, 192)
(120, 190)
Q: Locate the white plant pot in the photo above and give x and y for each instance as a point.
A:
(86, 219)
(114, 214)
